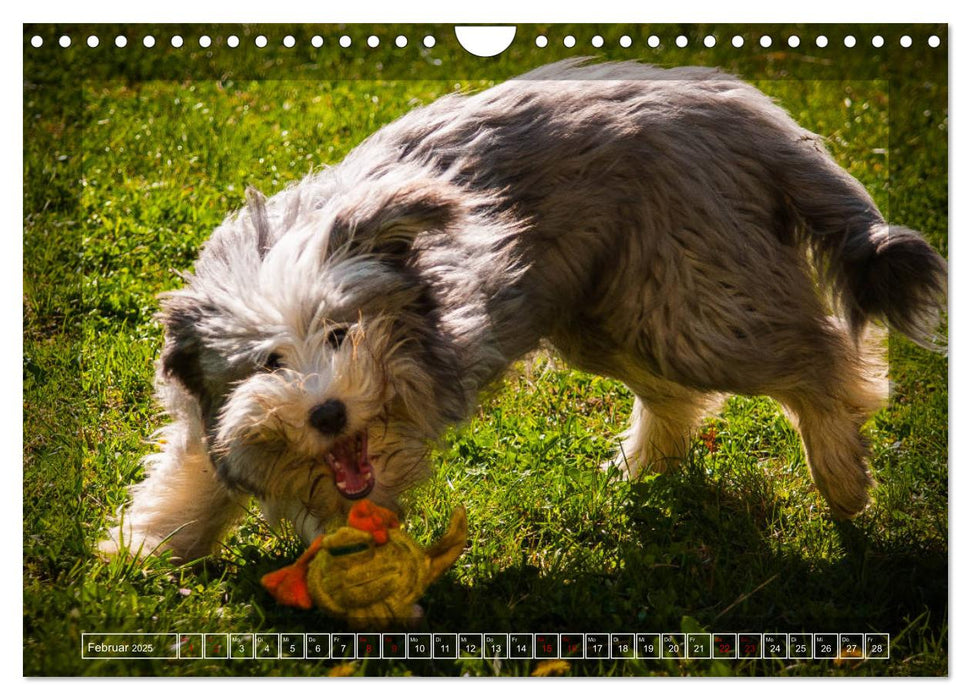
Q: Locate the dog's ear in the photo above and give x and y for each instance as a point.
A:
(182, 346)
(384, 222)
(256, 204)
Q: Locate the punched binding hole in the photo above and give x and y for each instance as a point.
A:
(487, 41)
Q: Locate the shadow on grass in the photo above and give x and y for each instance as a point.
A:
(697, 549)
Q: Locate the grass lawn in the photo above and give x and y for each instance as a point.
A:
(129, 163)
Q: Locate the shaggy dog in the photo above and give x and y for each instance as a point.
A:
(673, 229)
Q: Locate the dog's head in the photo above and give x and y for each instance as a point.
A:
(312, 342)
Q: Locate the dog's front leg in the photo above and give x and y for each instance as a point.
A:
(181, 506)
(664, 418)
(306, 524)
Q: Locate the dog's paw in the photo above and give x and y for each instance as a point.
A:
(128, 543)
(617, 468)
(108, 547)
(851, 497)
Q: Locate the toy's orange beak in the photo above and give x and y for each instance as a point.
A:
(289, 584)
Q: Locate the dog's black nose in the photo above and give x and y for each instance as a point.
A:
(330, 417)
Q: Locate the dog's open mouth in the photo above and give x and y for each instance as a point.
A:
(353, 474)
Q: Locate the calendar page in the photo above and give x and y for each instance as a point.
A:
(519, 350)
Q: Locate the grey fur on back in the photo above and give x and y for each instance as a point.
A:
(635, 166)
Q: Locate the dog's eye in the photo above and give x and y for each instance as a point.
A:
(273, 361)
(336, 336)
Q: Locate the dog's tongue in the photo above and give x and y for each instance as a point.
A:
(353, 474)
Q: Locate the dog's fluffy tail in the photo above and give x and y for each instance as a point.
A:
(877, 271)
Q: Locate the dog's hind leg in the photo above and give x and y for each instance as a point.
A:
(836, 453)
(829, 409)
(662, 423)
(181, 506)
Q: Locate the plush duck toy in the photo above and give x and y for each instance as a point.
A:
(369, 573)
